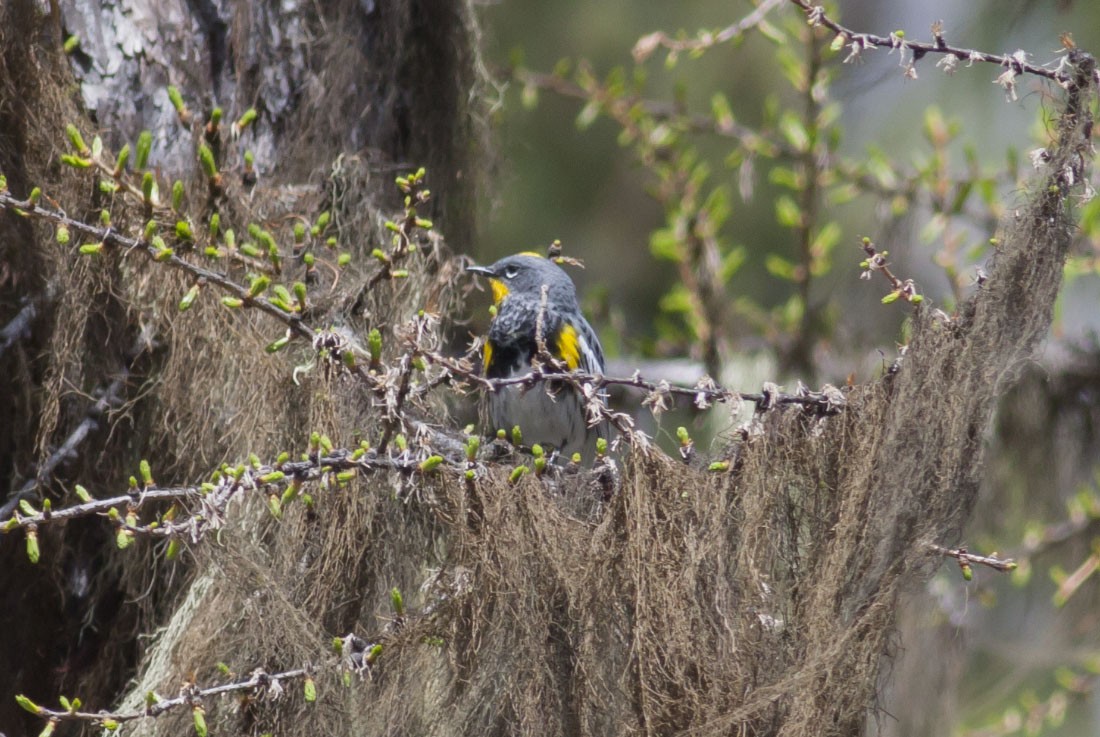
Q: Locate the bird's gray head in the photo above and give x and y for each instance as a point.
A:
(525, 274)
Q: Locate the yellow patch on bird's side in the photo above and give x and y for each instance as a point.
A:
(530, 253)
(500, 290)
(569, 347)
(487, 355)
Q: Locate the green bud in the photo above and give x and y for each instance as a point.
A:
(198, 717)
(576, 458)
(310, 690)
(72, 43)
(891, 297)
(109, 724)
(206, 158)
(718, 466)
(517, 473)
(33, 553)
(397, 601)
(27, 704)
(91, 249)
(344, 477)
(280, 297)
(123, 157)
(232, 302)
(430, 463)
(273, 477)
(62, 235)
(146, 472)
(277, 345)
(374, 345)
(300, 294)
(144, 146)
(177, 99)
(343, 259)
(517, 436)
(147, 183)
(82, 494)
(27, 508)
(35, 196)
(75, 161)
(123, 539)
(215, 117)
(247, 118)
(473, 444)
(682, 435)
(401, 443)
(601, 446)
(258, 286)
(177, 195)
(502, 434)
(916, 299)
(537, 451)
(275, 506)
(77, 140)
(173, 550)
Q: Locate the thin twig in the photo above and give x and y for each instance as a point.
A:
(112, 237)
(965, 557)
(816, 16)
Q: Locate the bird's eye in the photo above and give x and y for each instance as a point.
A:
(510, 272)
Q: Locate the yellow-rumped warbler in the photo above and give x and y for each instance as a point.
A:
(553, 414)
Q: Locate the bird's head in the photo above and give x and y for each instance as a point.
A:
(525, 274)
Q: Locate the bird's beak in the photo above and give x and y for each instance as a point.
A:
(483, 270)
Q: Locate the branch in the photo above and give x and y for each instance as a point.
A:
(355, 655)
(1015, 64)
(111, 237)
(646, 45)
(966, 559)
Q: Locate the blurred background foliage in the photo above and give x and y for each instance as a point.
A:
(718, 194)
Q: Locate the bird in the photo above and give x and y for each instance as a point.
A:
(553, 413)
